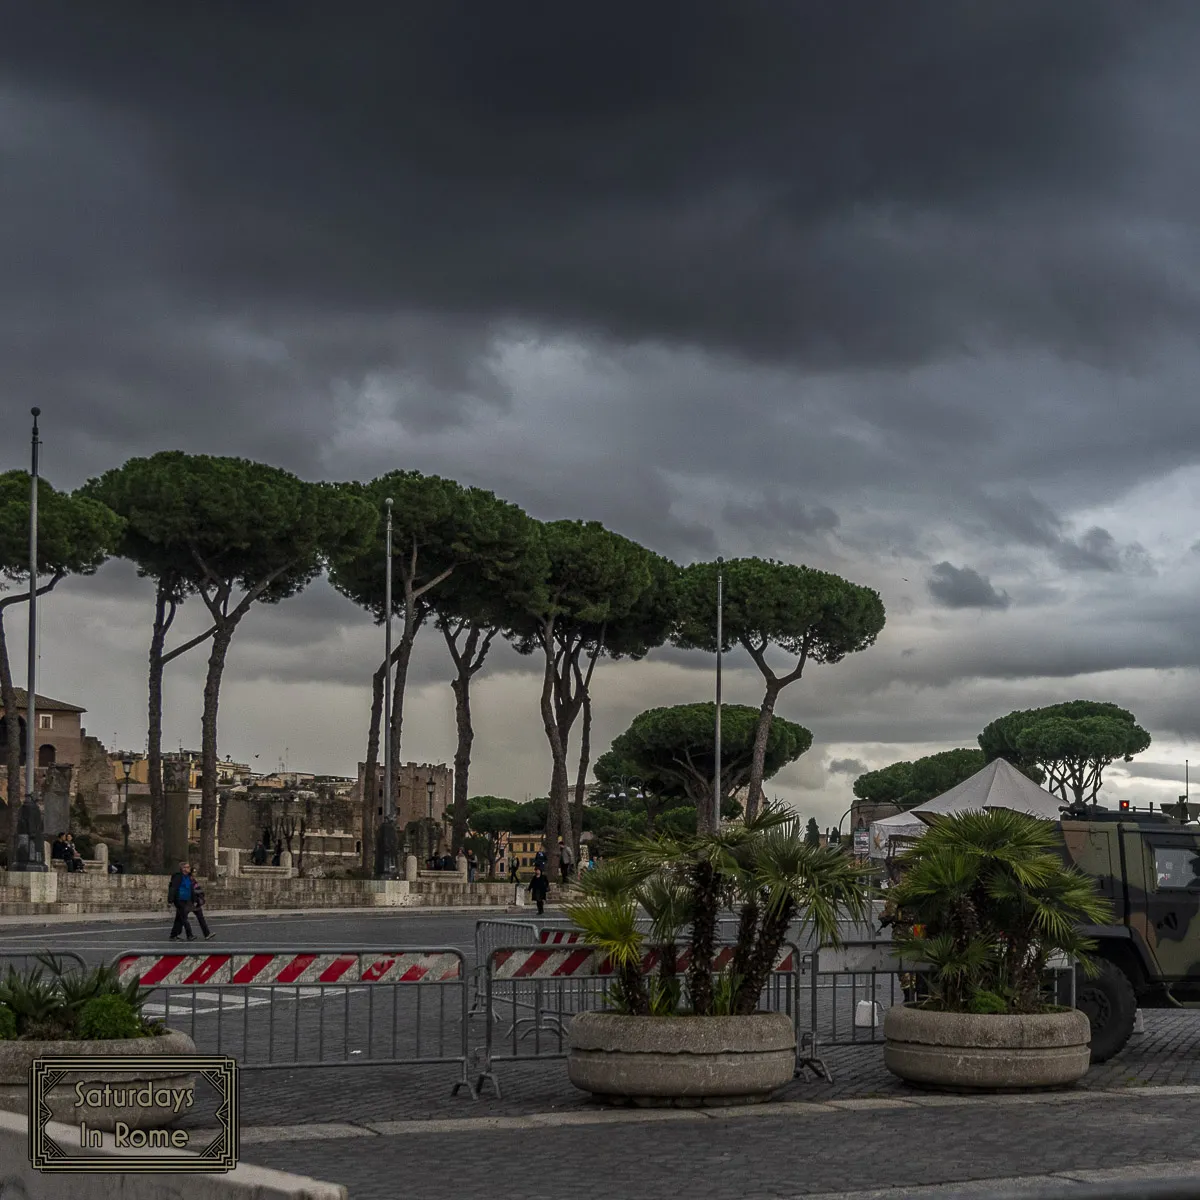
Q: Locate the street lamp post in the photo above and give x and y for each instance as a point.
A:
(430, 786)
(714, 818)
(127, 767)
(386, 849)
(28, 854)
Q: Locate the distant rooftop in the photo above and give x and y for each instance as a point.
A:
(44, 703)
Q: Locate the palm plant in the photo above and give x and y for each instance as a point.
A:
(763, 868)
(995, 900)
(608, 916)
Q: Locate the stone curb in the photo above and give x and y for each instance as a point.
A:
(264, 1134)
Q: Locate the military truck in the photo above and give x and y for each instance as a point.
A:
(1148, 867)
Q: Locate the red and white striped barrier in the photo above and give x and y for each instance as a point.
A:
(583, 961)
(290, 967)
(559, 937)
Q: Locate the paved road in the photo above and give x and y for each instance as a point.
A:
(99, 940)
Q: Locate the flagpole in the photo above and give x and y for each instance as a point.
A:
(716, 801)
(28, 853)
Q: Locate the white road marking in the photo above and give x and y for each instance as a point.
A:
(235, 1001)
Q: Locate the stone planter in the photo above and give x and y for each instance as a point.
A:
(986, 1052)
(16, 1057)
(681, 1061)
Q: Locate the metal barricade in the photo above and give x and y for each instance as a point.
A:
(850, 987)
(490, 934)
(313, 1007)
(31, 959)
(553, 983)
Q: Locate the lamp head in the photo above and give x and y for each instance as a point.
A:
(127, 765)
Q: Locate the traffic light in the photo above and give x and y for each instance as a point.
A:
(1124, 805)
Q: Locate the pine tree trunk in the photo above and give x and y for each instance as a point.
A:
(370, 793)
(762, 735)
(158, 806)
(403, 656)
(12, 746)
(558, 774)
(208, 749)
(462, 755)
(585, 749)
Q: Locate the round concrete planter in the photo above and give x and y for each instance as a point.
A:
(976, 1052)
(681, 1061)
(16, 1057)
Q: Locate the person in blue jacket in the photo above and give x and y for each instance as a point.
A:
(187, 897)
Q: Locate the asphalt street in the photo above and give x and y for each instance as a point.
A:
(97, 941)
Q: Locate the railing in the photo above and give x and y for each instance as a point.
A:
(29, 958)
(491, 934)
(314, 1007)
(542, 987)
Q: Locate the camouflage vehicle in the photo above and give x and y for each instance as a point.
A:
(1148, 867)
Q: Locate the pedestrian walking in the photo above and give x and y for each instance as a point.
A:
(472, 866)
(539, 889)
(539, 859)
(185, 893)
(566, 859)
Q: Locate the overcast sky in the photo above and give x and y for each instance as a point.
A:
(903, 291)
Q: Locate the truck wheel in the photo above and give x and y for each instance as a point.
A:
(1110, 1004)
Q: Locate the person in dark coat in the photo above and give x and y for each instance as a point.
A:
(258, 856)
(539, 889)
(187, 897)
(275, 858)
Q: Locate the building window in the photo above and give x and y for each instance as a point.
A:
(45, 720)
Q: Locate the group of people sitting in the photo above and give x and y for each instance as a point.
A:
(260, 854)
(64, 850)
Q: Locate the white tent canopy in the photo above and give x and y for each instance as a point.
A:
(998, 785)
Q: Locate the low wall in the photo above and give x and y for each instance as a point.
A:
(242, 1183)
(48, 893)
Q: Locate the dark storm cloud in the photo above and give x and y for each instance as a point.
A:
(775, 511)
(847, 766)
(1022, 519)
(885, 285)
(964, 587)
(1149, 770)
(602, 166)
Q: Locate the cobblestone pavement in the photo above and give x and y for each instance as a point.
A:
(753, 1155)
(1168, 1053)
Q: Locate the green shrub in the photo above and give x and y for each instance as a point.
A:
(108, 1017)
(8, 1023)
(47, 1001)
(987, 1002)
